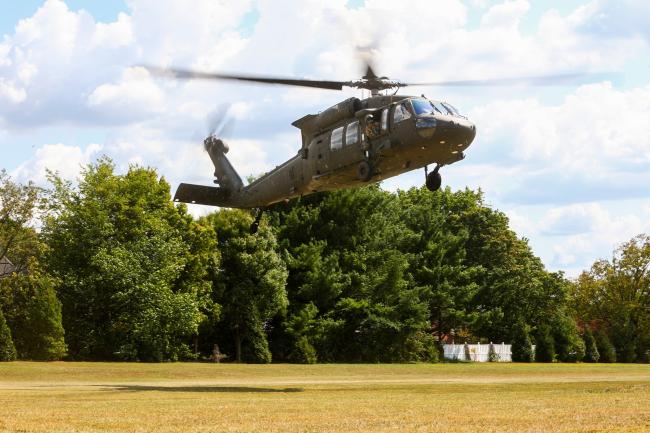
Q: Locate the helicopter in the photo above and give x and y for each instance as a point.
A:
(353, 143)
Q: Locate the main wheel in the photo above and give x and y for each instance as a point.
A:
(364, 171)
(434, 180)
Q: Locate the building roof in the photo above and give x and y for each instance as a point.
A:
(6, 267)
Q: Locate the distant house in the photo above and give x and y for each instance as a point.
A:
(6, 267)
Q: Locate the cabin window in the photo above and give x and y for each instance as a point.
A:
(384, 120)
(337, 138)
(352, 133)
(401, 113)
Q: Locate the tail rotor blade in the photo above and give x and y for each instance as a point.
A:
(217, 120)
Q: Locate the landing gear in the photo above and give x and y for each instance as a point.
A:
(433, 179)
(364, 171)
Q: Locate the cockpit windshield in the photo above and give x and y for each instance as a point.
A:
(451, 108)
(421, 106)
(440, 108)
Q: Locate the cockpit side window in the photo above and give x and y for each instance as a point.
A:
(384, 120)
(401, 113)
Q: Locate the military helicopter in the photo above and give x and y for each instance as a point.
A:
(353, 143)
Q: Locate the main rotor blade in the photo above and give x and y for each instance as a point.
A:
(188, 75)
(542, 80)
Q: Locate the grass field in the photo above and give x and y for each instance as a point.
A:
(101, 397)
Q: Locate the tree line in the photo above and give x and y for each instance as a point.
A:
(111, 269)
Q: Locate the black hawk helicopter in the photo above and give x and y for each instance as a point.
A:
(353, 143)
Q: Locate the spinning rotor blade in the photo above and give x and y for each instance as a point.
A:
(187, 74)
(542, 80)
(218, 121)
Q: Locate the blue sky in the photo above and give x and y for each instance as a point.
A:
(569, 165)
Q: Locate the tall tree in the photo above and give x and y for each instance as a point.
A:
(19, 206)
(7, 348)
(544, 345)
(33, 312)
(249, 284)
(615, 296)
(522, 350)
(132, 265)
(591, 349)
(27, 297)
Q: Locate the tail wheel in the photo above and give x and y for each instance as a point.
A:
(434, 180)
(364, 171)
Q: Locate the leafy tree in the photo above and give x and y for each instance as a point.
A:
(437, 256)
(249, 284)
(615, 295)
(33, 313)
(544, 345)
(522, 350)
(591, 349)
(605, 348)
(28, 296)
(19, 205)
(132, 266)
(569, 346)
(7, 349)
(348, 256)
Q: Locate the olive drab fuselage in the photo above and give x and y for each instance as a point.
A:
(348, 145)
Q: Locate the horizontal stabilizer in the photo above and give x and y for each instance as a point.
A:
(199, 194)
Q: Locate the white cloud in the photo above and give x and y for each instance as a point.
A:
(134, 97)
(65, 160)
(593, 145)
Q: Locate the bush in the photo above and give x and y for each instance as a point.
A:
(545, 346)
(591, 350)
(605, 348)
(522, 350)
(7, 349)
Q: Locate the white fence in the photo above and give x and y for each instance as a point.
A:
(478, 352)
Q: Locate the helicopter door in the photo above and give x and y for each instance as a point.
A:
(319, 153)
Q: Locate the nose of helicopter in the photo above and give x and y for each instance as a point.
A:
(464, 133)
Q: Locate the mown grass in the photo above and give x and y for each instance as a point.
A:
(100, 397)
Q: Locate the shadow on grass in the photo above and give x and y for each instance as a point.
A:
(134, 388)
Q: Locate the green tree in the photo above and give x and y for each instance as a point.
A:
(522, 350)
(348, 255)
(7, 349)
(615, 295)
(437, 256)
(591, 348)
(28, 296)
(132, 266)
(19, 205)
(569, 346)
(249, 284)
(33, 313)
(544, 345)
(605, 348)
